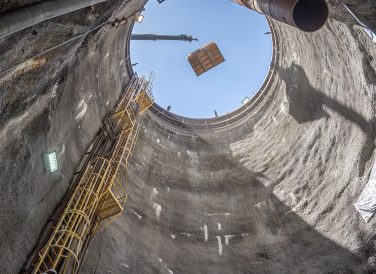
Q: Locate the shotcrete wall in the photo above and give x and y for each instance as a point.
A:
(272, 193)
(269, 193)
(53, 103)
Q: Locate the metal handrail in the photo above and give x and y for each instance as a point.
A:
(98, 184)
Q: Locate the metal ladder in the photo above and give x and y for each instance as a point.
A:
(100, 195)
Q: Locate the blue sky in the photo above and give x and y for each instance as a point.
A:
(239, 33)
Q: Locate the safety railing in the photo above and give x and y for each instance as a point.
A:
(100, 195)
(63, 249)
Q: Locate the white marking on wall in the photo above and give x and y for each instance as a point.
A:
(296, 58)
(158, 209)
(83, 106)
(194, 158)
(80, 104)
(206, 233)
(168, 189)
(138, 215)
(158, 141)
(284, 105)
(54, 89)
(227, 238)
(62, 150)
(219, 227)
(121, 62)
(135, 213)
(186, 234)
(219, 214)
(153, 194)
(261, 205)
(107, 103)
(219, 245)
(165, 265)
(108, 54)
(173, 236)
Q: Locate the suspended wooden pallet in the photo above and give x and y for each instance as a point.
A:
(205, 58)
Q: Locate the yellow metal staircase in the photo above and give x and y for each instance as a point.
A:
(99, 195)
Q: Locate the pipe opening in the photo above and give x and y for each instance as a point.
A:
(310, 15)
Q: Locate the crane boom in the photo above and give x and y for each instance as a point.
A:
(155, 37)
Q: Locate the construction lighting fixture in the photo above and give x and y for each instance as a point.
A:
(139, 18)
(50, 161)
(245, 101)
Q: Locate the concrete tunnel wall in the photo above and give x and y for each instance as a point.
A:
(58, 107)
(272, 193)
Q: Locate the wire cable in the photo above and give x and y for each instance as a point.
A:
(68, 41)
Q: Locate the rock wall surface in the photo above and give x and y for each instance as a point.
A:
(12, 4)
(55, 102)
(273, 193)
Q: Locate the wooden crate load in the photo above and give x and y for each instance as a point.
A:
(205, 58)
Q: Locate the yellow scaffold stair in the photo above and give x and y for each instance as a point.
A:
(99, 195)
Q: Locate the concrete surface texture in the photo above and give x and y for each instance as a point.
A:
(6, 5)
(272, 193)
(55, 102)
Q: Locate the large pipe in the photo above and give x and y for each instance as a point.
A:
(27, 16)
(307, 15)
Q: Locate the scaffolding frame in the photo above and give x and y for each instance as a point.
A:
(100, 195)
